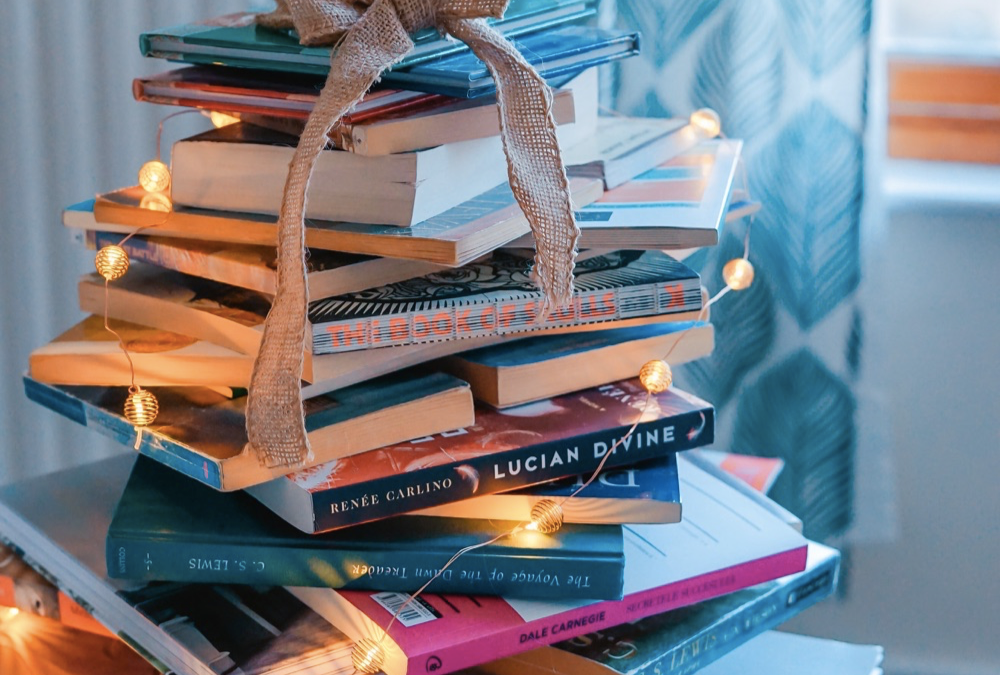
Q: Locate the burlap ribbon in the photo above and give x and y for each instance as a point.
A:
(370, 36)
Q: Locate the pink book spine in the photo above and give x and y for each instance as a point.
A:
(495, 630)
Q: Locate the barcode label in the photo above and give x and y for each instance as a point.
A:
(417, 612)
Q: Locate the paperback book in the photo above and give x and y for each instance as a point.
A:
(647, 492)
(780, 653)
(727, 541)
(202, 433)
(244, 167)
(503, 450)
(455, 237)
(215, 537)
(687, 639)
(255, 267)
(494, 297)
(196, 629)
(539, 367)
(236, 39)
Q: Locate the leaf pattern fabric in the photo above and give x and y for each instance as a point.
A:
(788, 77)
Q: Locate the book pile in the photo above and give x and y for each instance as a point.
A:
(439, 408)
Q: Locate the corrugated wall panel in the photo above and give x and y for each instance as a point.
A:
(68, 129)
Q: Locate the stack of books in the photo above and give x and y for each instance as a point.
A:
(440, 409)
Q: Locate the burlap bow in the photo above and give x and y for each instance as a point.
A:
(370, 36)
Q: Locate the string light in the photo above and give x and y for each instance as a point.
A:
(546, 517)
(738, 274)
(141, 407)
(656, 376)
(706, 121)
(367, 656)
(220, 119)
(154, 176)
(111, 262)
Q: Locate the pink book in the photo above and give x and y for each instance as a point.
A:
(728, 540)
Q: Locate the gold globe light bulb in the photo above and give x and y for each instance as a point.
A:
(367, 656)
(154, 176)
(546, 516)
(738, 274)
(141, 407)
(111, 262)
(707, 122)
(656, 376)
(220, 119)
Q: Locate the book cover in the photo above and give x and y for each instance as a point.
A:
(687, 639)
(557, 54)
(254, 267)
(214, 537)
(498, 297)
(780, 653)
(455, 237)
(202, 433)
(89, 354)
(647, 492)
(503, 450)
(196, 629)
(680, 204)
(244, 167)
(236, 40)
(538, 367)
(726, 542)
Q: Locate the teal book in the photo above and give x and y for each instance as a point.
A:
(236, 40)
(687, 639)
(168, 527)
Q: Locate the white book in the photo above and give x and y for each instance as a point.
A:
(778, 653)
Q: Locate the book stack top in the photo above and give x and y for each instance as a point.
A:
(442, 406)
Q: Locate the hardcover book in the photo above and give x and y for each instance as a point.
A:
(202, 433)
(561, 437)
(647, 492)
(455, 237)
(195, 629)
(236, 40)
(680, 204)
(558, 54)
(687, 639)
(539, 367)
(244, 166)
(727, 541)
(494, 297)
(255, 268)
(780, 653)
(169, 528)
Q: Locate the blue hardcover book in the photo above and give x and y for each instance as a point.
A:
(684, 640)
(513, 373)
(557, 54)
(648, 492)
(236, 40)
(168, 527)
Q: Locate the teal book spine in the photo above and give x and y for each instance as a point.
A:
(167, 527)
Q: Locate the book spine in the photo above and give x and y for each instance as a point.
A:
(436, 485)
(737, 628)
(514, 639)
(528, 574)
(498, 317)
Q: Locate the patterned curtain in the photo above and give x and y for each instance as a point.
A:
(789, 78)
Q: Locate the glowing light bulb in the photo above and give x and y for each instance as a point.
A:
(111, 262)
(141, 407)
(220, 120)
(546, 516)
(706, 121)
(156, 201)
(154, 176)
(656, 376)
(738, 274)
(367, 656)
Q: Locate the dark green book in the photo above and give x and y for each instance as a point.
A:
(168, 527)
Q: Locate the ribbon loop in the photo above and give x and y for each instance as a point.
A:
(371, 36)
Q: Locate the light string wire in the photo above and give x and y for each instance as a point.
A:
(369, 654)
